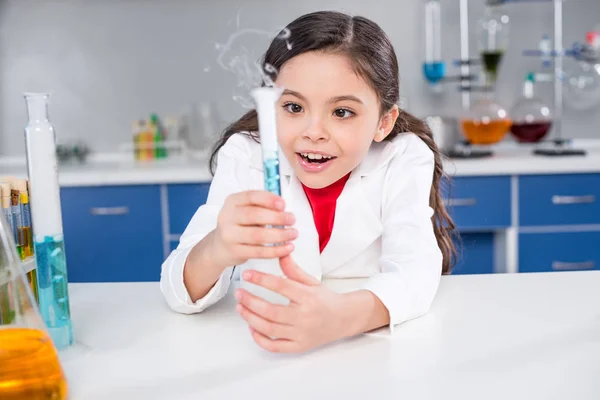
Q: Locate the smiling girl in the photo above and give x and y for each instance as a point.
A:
(362, 178)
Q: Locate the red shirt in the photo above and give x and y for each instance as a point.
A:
(323, 202)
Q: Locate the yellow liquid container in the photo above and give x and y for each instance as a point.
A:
(29, 364)
(486, 123)
(480, 132)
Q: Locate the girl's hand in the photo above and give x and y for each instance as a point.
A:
(241, 231)
(312, 318)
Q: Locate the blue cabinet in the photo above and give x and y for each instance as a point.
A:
(475, 254)
(559, 251)
(478, 203)
(559, 199)
(112, 234)
(184, 200)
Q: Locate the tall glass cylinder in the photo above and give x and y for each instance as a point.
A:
(433, 67)
(47, 221)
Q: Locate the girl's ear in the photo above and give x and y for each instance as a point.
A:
(386, 124)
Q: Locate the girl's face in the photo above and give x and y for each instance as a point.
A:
(327, 117)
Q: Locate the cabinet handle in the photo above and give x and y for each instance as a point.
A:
(560, 200)
(471, 201)
(98, 211)
(566, 266)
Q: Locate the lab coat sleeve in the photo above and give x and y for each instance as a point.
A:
(411, 260)
(231, 171)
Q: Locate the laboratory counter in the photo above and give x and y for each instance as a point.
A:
(505, 336)
(114, 169)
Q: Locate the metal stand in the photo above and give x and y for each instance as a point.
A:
(465, 149)
(560, 145)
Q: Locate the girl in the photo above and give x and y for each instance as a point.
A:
(362, 178)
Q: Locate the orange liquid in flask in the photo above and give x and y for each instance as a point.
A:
(29, 366)
(478, 132)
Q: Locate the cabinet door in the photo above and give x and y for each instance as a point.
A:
(570, 199)
(478, 203)
(184, 200)
(559, 251)
(112, 234)
(475, 254)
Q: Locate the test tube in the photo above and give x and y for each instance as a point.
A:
(265, 98)
(21, 185)
(6, 204)
(46, 215)
(17, 220)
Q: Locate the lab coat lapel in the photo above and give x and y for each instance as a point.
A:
(356, 225)
(306, 246)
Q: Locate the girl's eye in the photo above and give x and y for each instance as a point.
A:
(343, 113)
(293, 108)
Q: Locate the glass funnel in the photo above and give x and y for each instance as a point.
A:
(486, 122)
(492, 35)
(29, 364)
(531, 117)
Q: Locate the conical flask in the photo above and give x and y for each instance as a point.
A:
(46, 221)
(29, 363)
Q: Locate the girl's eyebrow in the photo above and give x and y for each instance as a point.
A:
(348, 97)
(292, 93)
(336, 99)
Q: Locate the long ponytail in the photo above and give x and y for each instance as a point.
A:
(444, 227)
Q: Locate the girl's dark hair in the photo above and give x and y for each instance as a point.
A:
(372, 53)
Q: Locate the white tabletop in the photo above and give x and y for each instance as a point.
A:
(521, 336)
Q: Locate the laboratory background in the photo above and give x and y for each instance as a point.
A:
(137, 93)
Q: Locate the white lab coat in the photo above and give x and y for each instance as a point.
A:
(382, 231)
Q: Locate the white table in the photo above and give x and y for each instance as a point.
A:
(522, 336)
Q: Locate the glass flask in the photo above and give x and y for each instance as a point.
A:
(582, 86)
(492, 34)
(486, 122)
(46, 219)
(29, 363)
(531, 117)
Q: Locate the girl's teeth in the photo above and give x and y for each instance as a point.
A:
(312, 156)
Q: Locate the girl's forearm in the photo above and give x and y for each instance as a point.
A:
(363, 312)
(200, 272)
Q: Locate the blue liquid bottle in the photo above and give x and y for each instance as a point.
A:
(46, 219)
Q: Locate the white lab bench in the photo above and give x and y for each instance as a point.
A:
(507, 336)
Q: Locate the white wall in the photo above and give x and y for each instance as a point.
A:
(110, 62)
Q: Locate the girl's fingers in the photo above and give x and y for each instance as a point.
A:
(269, 311)
(246, 251)
(275, 345)
(258, 235)
(253, 216)
(267, 328)
(257, 198)
(296, 292)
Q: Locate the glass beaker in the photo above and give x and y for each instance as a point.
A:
(492, 33)
(46, 219)
(531, 118)
(487, 122)
(29, 363)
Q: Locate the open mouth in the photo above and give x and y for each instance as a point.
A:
(315, 158)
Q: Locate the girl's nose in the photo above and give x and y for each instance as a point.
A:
(316, 131)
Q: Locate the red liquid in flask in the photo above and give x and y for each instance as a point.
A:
(530, 132)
